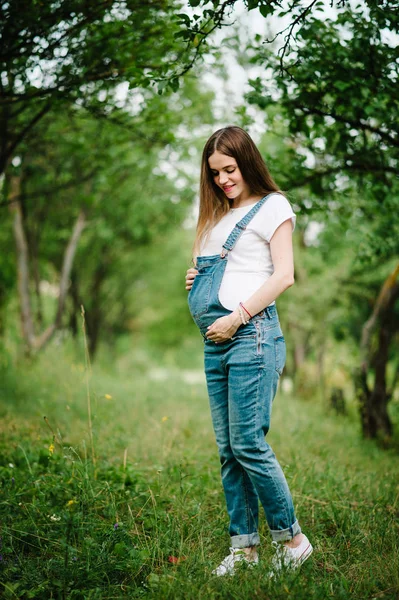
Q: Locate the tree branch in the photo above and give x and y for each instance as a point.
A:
(69, 256)
(14, 144)
(297, 183)
(205, 34)
(289, 35)
(357, 124)
(49, 192)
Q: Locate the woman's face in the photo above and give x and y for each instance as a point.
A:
(227, 176)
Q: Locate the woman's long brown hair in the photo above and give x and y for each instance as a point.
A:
(214, 204)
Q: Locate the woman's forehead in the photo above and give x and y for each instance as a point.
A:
(218, 161)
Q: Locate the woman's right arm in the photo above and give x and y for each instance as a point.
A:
(190, 276)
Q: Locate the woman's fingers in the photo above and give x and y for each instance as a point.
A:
(215, 336)
(190, 276)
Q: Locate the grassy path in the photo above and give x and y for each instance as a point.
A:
(147, 519)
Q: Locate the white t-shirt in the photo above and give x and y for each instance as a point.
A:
(249, 264)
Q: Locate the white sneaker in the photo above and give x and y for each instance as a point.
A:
(236, 555)
(290, 558)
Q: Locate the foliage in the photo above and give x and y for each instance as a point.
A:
(338, 98)
(129, 192)
(56, 55)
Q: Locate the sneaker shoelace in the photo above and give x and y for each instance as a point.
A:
(227, 564)
(284, 555)
(233, 557)
(287, 556)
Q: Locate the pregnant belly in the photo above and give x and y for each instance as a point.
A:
(238, 287)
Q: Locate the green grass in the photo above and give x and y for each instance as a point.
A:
(146, 516)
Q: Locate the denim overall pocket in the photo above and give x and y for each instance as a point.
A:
(269, 345)
(198, 297)
(281, 353)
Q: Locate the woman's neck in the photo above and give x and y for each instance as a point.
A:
(241, 202)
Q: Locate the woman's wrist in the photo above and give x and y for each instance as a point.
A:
(245, 311)
(235, 315)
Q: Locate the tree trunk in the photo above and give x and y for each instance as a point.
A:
(76, 304)
(373, 403)
(379, 419)
(69, 256)
(33, 342)
(31, 237)
(94, 316)
(14, 187)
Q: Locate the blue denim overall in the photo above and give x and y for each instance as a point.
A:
(242, 375)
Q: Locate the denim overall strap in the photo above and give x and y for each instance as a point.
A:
(240, 226)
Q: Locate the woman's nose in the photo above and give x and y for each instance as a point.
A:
(223, 178)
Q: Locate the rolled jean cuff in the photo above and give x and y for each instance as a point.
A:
(245, 540)
(284, 535)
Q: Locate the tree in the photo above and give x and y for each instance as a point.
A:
(56, 58)
(76, 167)
(338, 96)
(64, 53)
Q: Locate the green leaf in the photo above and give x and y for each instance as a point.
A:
(265, 10)
(185, 35)
(185, 18)
(174, 84)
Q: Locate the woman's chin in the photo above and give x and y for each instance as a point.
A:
(233, 194)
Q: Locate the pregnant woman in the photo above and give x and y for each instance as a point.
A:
(243, 261)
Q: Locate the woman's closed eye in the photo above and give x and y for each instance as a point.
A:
(215, 173)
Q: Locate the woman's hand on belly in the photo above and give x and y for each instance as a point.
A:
(190, 276)
(223, 328)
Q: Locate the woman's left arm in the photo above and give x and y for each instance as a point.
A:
(281, 279)
(283, 276)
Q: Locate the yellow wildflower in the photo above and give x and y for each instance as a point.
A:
(70, 502)
(108, 396)
(164, 419)
(51, 448)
